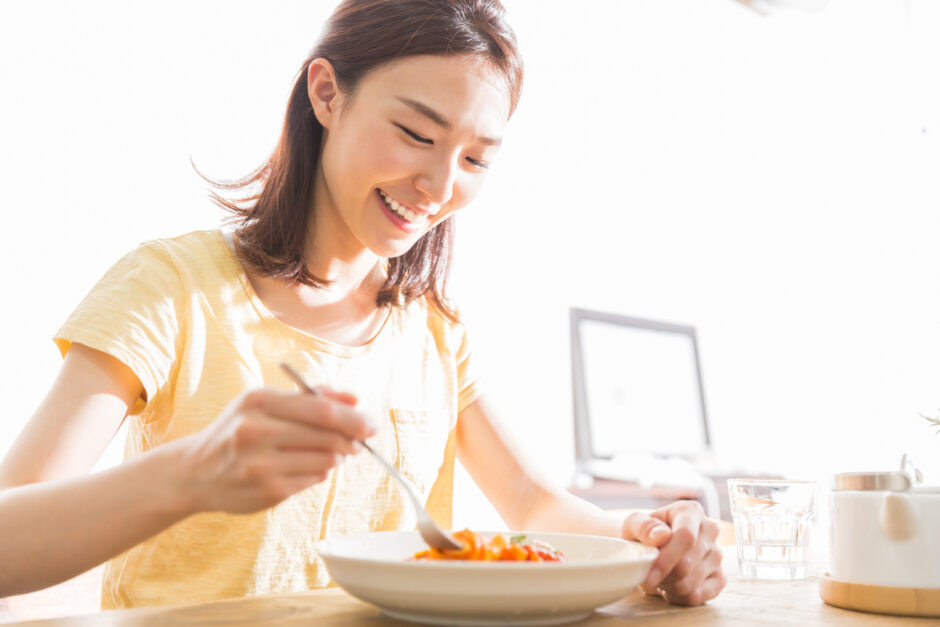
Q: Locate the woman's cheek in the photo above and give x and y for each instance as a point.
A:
(389, 158)
(467, 188)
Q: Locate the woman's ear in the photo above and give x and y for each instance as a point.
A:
(322, 90)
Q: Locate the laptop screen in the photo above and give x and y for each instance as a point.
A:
(637, 387)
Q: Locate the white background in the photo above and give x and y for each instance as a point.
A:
(773, 181)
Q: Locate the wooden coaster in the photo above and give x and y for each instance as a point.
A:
(880, 599)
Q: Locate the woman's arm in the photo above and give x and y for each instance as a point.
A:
(522, 495)
(55, 530)
(688, 568)
(74, 423)
(56, 521)
(53, 527)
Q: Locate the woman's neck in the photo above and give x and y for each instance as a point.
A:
(346, 278)
(344, 312)
(333, 253)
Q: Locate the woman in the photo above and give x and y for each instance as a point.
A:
(338, 265)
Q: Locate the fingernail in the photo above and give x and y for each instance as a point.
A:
(654, 577)
(658, 533)
(356, 447)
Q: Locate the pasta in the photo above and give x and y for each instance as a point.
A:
(497, 548)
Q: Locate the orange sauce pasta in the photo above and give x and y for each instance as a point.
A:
(498, 548)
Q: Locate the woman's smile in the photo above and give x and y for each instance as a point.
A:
(404, 217)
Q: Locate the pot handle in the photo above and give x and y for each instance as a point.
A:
(898, 518)
(912, 471)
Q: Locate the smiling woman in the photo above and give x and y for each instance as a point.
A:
(429, 117)
(337, 265)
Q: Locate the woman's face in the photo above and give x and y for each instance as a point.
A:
(411, 147)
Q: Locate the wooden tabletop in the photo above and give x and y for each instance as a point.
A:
(743, 602)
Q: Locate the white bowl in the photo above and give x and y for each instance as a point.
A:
(375, 568)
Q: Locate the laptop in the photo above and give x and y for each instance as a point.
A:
(639, 403)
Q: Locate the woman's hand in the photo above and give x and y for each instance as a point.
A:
(267, 445)
(688, 569)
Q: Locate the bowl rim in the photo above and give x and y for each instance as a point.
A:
(649, 553)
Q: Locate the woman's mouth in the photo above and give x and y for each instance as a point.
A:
(406, 218)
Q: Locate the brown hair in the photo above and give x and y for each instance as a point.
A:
(272, 213)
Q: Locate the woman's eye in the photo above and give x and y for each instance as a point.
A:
(478, 163)
(418, 138)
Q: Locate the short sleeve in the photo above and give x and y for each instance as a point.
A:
(133, 314)
(468, 379)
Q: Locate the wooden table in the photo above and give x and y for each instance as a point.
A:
(743, 602)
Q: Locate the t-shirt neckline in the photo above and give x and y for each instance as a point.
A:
(267, 316)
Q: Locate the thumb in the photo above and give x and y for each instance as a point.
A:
(646, 529)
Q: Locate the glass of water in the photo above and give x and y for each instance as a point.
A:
(772, 520)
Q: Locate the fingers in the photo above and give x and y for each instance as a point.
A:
(714, 584)
(294, 436)
(683, 586)
(273, 491)
(708, 532)
(297, 464)
(268, 444)
(330, 411)
(685, 534)
(646, 529)
(688, 568)
(686, 514)
(261, 432)
(342, 397)
(263, 476)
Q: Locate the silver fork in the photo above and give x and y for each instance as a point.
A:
(435, 536)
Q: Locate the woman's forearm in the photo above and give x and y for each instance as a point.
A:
(53, 531)
(559, 511)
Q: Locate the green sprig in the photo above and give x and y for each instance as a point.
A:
(934, 422)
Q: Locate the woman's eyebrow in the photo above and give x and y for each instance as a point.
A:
(426, 111)
(439, 119)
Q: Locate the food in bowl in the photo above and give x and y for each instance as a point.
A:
(495, 548)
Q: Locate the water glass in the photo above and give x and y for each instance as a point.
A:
(772, 526)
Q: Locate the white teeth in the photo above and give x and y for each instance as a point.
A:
(400, 209)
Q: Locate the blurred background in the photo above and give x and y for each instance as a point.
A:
(768, 174)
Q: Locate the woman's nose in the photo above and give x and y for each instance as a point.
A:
(437, 181)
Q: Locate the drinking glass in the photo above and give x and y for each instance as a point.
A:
(772, 526)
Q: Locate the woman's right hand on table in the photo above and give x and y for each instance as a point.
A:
(268, 444)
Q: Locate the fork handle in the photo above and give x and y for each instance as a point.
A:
(395, 473)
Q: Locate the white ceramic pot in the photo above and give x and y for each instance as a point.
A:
(885, 531)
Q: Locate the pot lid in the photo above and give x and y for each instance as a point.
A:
(892, 481)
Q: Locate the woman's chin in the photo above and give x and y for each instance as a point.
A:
(390, 249)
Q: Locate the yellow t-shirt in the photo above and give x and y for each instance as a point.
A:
(182, 315)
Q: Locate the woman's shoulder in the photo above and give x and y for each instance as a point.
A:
(208, 242)
(188, 253)
(173, 265)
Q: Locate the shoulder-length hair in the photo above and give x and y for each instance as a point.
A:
(271, 206)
